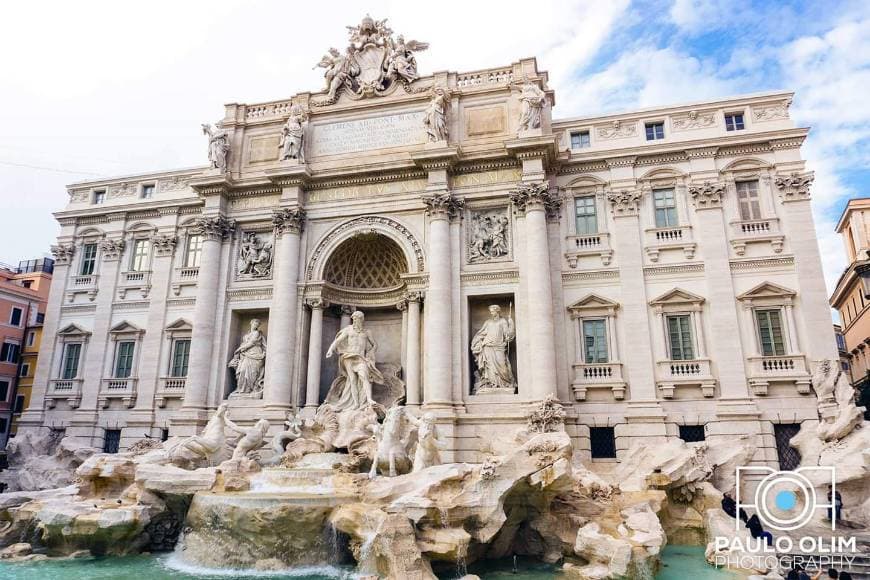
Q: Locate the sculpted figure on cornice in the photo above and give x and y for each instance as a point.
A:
(435, 117)
(293, 135)
(255, 257)
(533, 99)
(372, 63)
(218, 146)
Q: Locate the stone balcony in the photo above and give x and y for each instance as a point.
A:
(745, 232)
(658, 240)
(598, 376)
(184, 277)
(170, 388)
(588, 245)
(134, 280)
(788, 368)
(69, 389)
(124, 389)
(671, 374)
(82, 284)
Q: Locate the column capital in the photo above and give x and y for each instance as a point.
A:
(624, 203)
(164, 244)
(443, 205)
(707, 195)
(316, 303)
(347, 309)
(531, 196)
(288, 220)
(63, 254)
(414, 296)
(111, 249)
(214, 227)
(795, 186)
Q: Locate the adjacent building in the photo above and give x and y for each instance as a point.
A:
(661, 266)
(24, 292)
(851, 298)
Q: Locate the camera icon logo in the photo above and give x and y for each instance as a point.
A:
(787, 500)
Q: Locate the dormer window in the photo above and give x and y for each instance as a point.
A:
(734, 122)
(148, 191)
(99, 196)
(580, 140)
(655, 131)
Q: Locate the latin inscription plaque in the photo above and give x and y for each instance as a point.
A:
(367, 134)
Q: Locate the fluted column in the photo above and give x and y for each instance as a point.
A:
(534, 200)
(438, 384)
(315, 350)
(412, 351)
(281, 342)
(214, 231)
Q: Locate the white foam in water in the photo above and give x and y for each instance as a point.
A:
(176, 563)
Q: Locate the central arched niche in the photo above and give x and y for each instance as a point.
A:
(365, 272)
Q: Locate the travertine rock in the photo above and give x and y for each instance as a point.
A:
(171, 480)
(601, 549)
(39, 459)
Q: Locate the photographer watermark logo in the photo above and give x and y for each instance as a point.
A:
(787, 500)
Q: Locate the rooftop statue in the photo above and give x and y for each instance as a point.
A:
(218, 147)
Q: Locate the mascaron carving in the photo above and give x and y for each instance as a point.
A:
(63, 254)
(214, 228)
(708, 194)
(443, 205)
(617, 130)
(288, 220)
(795, 186)
(625, 202)
(111, 249)
(531, 196)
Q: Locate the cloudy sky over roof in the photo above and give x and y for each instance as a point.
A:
(95, 89)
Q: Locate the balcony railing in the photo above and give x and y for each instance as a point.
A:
(588, 245)
(679, 237)
(114, 388)
(184, 277)
(69, 389)
(84, 281)
(594, 375)
(485, 77)
(673, 373)
(170, 388)
(135, 280)
(745, 232)
(790, 368)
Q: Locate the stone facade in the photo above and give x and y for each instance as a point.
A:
(637, 271)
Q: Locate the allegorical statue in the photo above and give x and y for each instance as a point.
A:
(339, 69)
(356, 365)
(533, 99)
(402, 62)
(218, 146)
(490, 349)
(435, 116)
(249, 361)
(293, 135)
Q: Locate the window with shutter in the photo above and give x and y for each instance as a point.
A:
(124, 359)
(595, 341)
(770, 332)
(71, 361)
(180, 357)
(747, 197)
(680, 337)
(587, 218)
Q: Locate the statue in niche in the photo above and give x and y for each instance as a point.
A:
(490, 349)
(293, 135)
(435, 116)
(533, 99)
(356, 366)
(488, 237)
(401, 61)
(255, 256)
(249, 362)
(218, 146)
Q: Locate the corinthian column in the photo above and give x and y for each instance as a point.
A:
(281, 343)
(214, 230)
(412, 351)
(437, 383)
(315, 352)
(534, 201)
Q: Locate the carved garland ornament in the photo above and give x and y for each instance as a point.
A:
(111, 249)
(363, 223)
(625, 202)
(164, 245)
(707, 195)
(63, 253)
(796, 186)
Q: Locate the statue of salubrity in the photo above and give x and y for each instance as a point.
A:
(249, 363)
(490, 349)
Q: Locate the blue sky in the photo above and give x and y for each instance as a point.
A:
(109, 88)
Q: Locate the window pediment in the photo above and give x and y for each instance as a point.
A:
(593, 304)
(678, 297)
(180, 325)
(125, 327)
(768, 291)
(73, 330)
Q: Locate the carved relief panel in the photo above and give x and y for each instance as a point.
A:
(255, 256)
(488, 235)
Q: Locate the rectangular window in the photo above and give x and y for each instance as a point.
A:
(580, 140)
(194, 251)
(595, 341)
(841, 342)
(31, 338)
(112, 441)
(587, 217)
(40, 317)
(789, 457)
(655, 131)
(27, 283)
(734, 122)
(148, 191)
(180, 357)
(4, 391)
(747, 198)
(692, 433)
(71, 354)
(25, 370)
(9, 352)
(89, 259)
(666, 208)
(4, 425)
(139, 258)
(603, 441)
(100, 196)
(770, 332)
(124, 359)
(19, 404)
(15, 317)
(680, 337)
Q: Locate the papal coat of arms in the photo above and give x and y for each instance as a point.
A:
(373, 64)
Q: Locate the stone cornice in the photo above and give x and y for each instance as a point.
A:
(211, 184)
(438, 158)
(365, 179)
(291, 174)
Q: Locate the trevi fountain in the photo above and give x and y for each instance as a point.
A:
(467, 453)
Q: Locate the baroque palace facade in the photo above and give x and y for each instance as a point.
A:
(657, 270)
